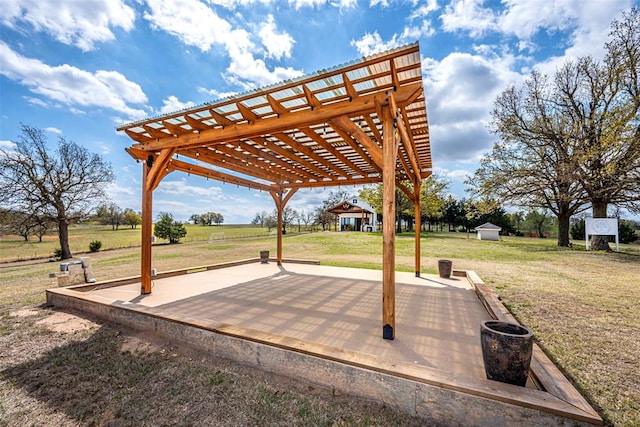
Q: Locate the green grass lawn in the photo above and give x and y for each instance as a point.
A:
(582, 306)
(14, 248)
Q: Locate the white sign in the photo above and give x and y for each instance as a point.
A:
(601, 227)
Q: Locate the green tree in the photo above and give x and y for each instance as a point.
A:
(539, 220)
(132, 218)
(110, 214)
(433, 199)
(217, 218)
(62, 185)
(169, 229)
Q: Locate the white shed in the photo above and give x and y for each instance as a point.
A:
(488, 231)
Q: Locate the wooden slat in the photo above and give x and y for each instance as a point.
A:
(311, 99)
(296, 145)
(175, 129)
(196, 124)
(294, 156)
(156, 133)
(247, 113)
(337, 154)
(138, 137)
(374, 150)
(277, 108)
(221, 119)
(351, 90)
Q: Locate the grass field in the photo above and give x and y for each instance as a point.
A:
(582, 306)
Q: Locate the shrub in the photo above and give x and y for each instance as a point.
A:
(95, 245)
(57, 253)
(167, 228)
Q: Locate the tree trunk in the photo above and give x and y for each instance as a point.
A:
(598, 242)
(563, 228)
(63, 235)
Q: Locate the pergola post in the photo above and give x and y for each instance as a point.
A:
(418, 225)
(281, 201)
(147, 225)
(389, 154)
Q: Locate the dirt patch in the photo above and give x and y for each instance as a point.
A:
(25, 312)
(66, 323)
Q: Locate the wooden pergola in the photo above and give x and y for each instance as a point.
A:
(360, 123)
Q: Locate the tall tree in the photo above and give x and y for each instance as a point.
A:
(602, 100)
(572, 140)
(63, 184)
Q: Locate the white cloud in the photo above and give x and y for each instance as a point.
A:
(307, 3)
(181, 187)
(7, 145)
(468, 15)
(53, 130)
(460, 91)
(424, 9)
(195, 24)
(72, 86)
(77, 23)
(371, 43)
(215, 94)
(173, 104)
(277, 44)
(191, 21)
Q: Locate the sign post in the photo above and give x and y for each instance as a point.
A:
(601, 227)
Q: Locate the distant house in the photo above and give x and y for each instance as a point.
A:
(355, 215)
(488, 231)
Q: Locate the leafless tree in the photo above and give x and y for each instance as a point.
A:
(62, 184)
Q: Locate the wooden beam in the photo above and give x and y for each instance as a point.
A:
(280, 199)
(301, 148)
(348, 86)
(350, 182)
(221, 119)
(276, 106)
(389, 154)
(176, 130)
(331, 149)
(195, 124)
(344, 123)
(138, 136)
(247, 113)
(295, 120)
(158, 168)
(226, 178)
(418, 225)
(232, 161)
(311, 99)
(287, 168)
(353, 144)
(147, 232)
(407, 140)
(294, 156)
(156, 132)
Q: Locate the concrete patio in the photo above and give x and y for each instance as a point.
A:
(323, 325)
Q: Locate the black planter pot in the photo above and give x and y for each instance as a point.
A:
(506, 351)
(444, 268)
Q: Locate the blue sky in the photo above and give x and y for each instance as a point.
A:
(80, 68)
